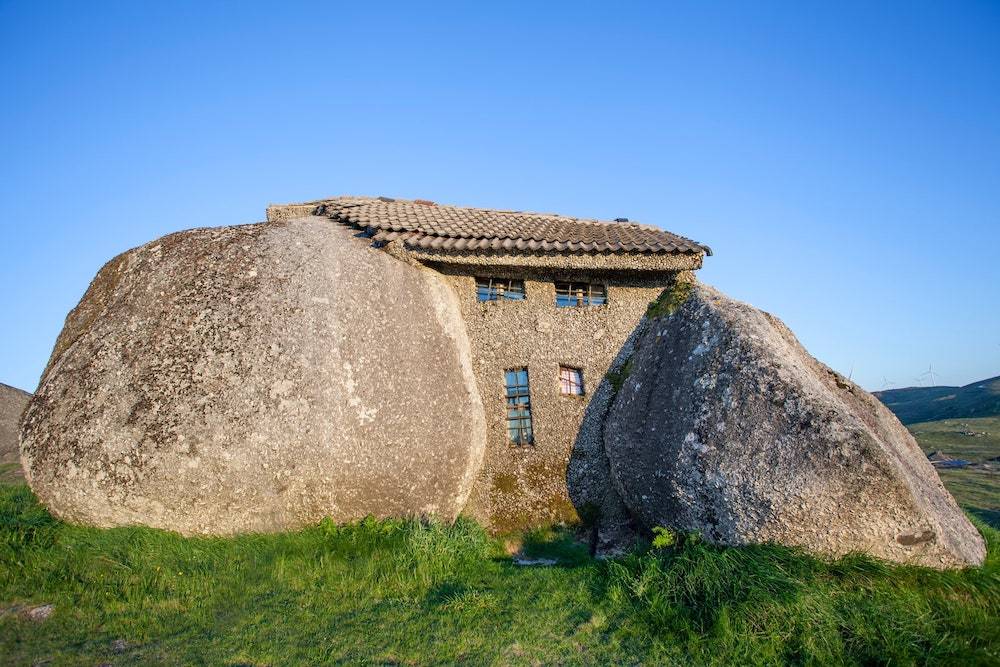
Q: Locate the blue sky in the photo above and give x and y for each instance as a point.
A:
(842, 159)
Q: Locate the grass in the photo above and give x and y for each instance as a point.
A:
(408, 593)
(948, 436)
(976, 489)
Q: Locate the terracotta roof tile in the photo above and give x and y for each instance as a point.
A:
(422, 224)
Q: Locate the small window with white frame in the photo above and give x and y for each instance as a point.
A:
(570, 381)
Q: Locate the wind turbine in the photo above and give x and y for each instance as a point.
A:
(930, 375)
(886, 383)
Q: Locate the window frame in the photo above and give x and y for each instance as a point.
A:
(517, 410)
(572, 382)
(581, 294)
(499, 289)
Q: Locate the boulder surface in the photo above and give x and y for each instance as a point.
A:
(257, 378)
(727, 426)
(12, 404)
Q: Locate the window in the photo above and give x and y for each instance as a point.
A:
(518, 407)
(570, 381)
(580, 294)
(499, 289)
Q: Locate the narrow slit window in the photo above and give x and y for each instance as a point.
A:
(570, 381)
(518, 407)
(499, 289)
(569, 295)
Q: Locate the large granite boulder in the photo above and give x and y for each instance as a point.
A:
(12, 404)
(727, 426)
(257, 378)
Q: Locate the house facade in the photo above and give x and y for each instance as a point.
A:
(550, 304)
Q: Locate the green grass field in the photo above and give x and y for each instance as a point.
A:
(405, 593)
(977, 490)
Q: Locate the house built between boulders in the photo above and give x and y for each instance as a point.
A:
(549, 302)
(368, 356)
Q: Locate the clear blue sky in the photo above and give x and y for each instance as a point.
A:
(842, 159)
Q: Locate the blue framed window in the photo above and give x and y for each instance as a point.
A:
(569, 295)
(518, 407)
(499, 289)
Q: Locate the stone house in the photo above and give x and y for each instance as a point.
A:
(357, 357)
(550, 304)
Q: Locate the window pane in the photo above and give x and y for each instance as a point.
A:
(580, 294)
(571, 381)
(495, 289)
(518, 406)
(514, 290)
(564, 295)
(484, 290)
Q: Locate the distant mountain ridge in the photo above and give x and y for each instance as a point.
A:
(922, 404)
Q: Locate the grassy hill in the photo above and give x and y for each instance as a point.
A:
(922, 404)
(975, 488)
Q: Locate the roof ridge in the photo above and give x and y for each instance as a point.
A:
(425, 224)
(361, 199)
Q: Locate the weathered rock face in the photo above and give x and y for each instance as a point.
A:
(257, 378)
(12, 404)
(727, 426)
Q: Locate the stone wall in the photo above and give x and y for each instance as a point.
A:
(521, 486)
(283, 212)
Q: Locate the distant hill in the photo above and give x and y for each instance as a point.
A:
(12, 404)
(922, 404)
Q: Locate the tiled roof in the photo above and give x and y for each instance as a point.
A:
(424, 225)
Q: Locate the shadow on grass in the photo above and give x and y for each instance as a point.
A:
(563, 544)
